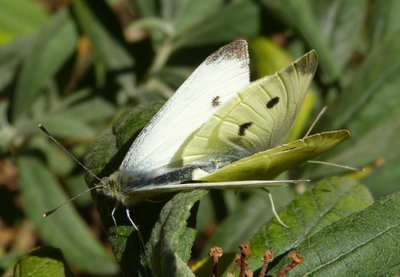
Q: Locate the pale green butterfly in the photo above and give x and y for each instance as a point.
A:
(218, 131)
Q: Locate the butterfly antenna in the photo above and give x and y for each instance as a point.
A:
(101, 185)
(338, 165)
(46, 214)
(323, 110)
(68, 153)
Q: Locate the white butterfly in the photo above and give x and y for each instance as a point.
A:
(220, 131)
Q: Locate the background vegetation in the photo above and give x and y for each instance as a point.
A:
(75, 66)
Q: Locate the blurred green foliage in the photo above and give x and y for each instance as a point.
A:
(75, 66)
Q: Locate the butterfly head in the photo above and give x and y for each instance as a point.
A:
(112, 188)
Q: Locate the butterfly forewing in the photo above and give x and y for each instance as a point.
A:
(220, 77)
(258, 118)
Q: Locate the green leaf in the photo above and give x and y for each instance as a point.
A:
(71, 118)
(253, 211)
(358, 152)
(75, 185)
(384, 21)
(99, 154)
(84, 108)
(341, 25)
(362, 244)
(147, 8)
(11, 55)
(375, 79)
(368, 107)
(220, 25)
(19, 17)
(127, 248)
(109, 49)
(181, 24)
(329, 201)
(58, 162)
(129, 124)
(299, 16)
(9, 260)
(174, 76)
(387, 175)
(64, 229)
(171, 240)
(55, 44)
(65, 127)
(186, 14)
(44, 262)
(91, 110)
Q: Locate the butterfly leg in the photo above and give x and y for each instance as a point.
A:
(271, 200)
(141, 241)
(128, 215)
(113, 215)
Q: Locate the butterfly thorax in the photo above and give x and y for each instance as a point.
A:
(112, 188)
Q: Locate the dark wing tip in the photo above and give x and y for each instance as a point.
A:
(234, 50)
(307, 64)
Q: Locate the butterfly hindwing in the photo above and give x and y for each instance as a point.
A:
(258, 118)
(268, 164)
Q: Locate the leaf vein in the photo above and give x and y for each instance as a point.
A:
(353, 249)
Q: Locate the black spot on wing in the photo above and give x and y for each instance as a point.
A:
(215, 102)
(244, 127)
(271, 103)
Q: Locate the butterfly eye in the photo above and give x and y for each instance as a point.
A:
(271, 103)
(243, 128)
(215, 102)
